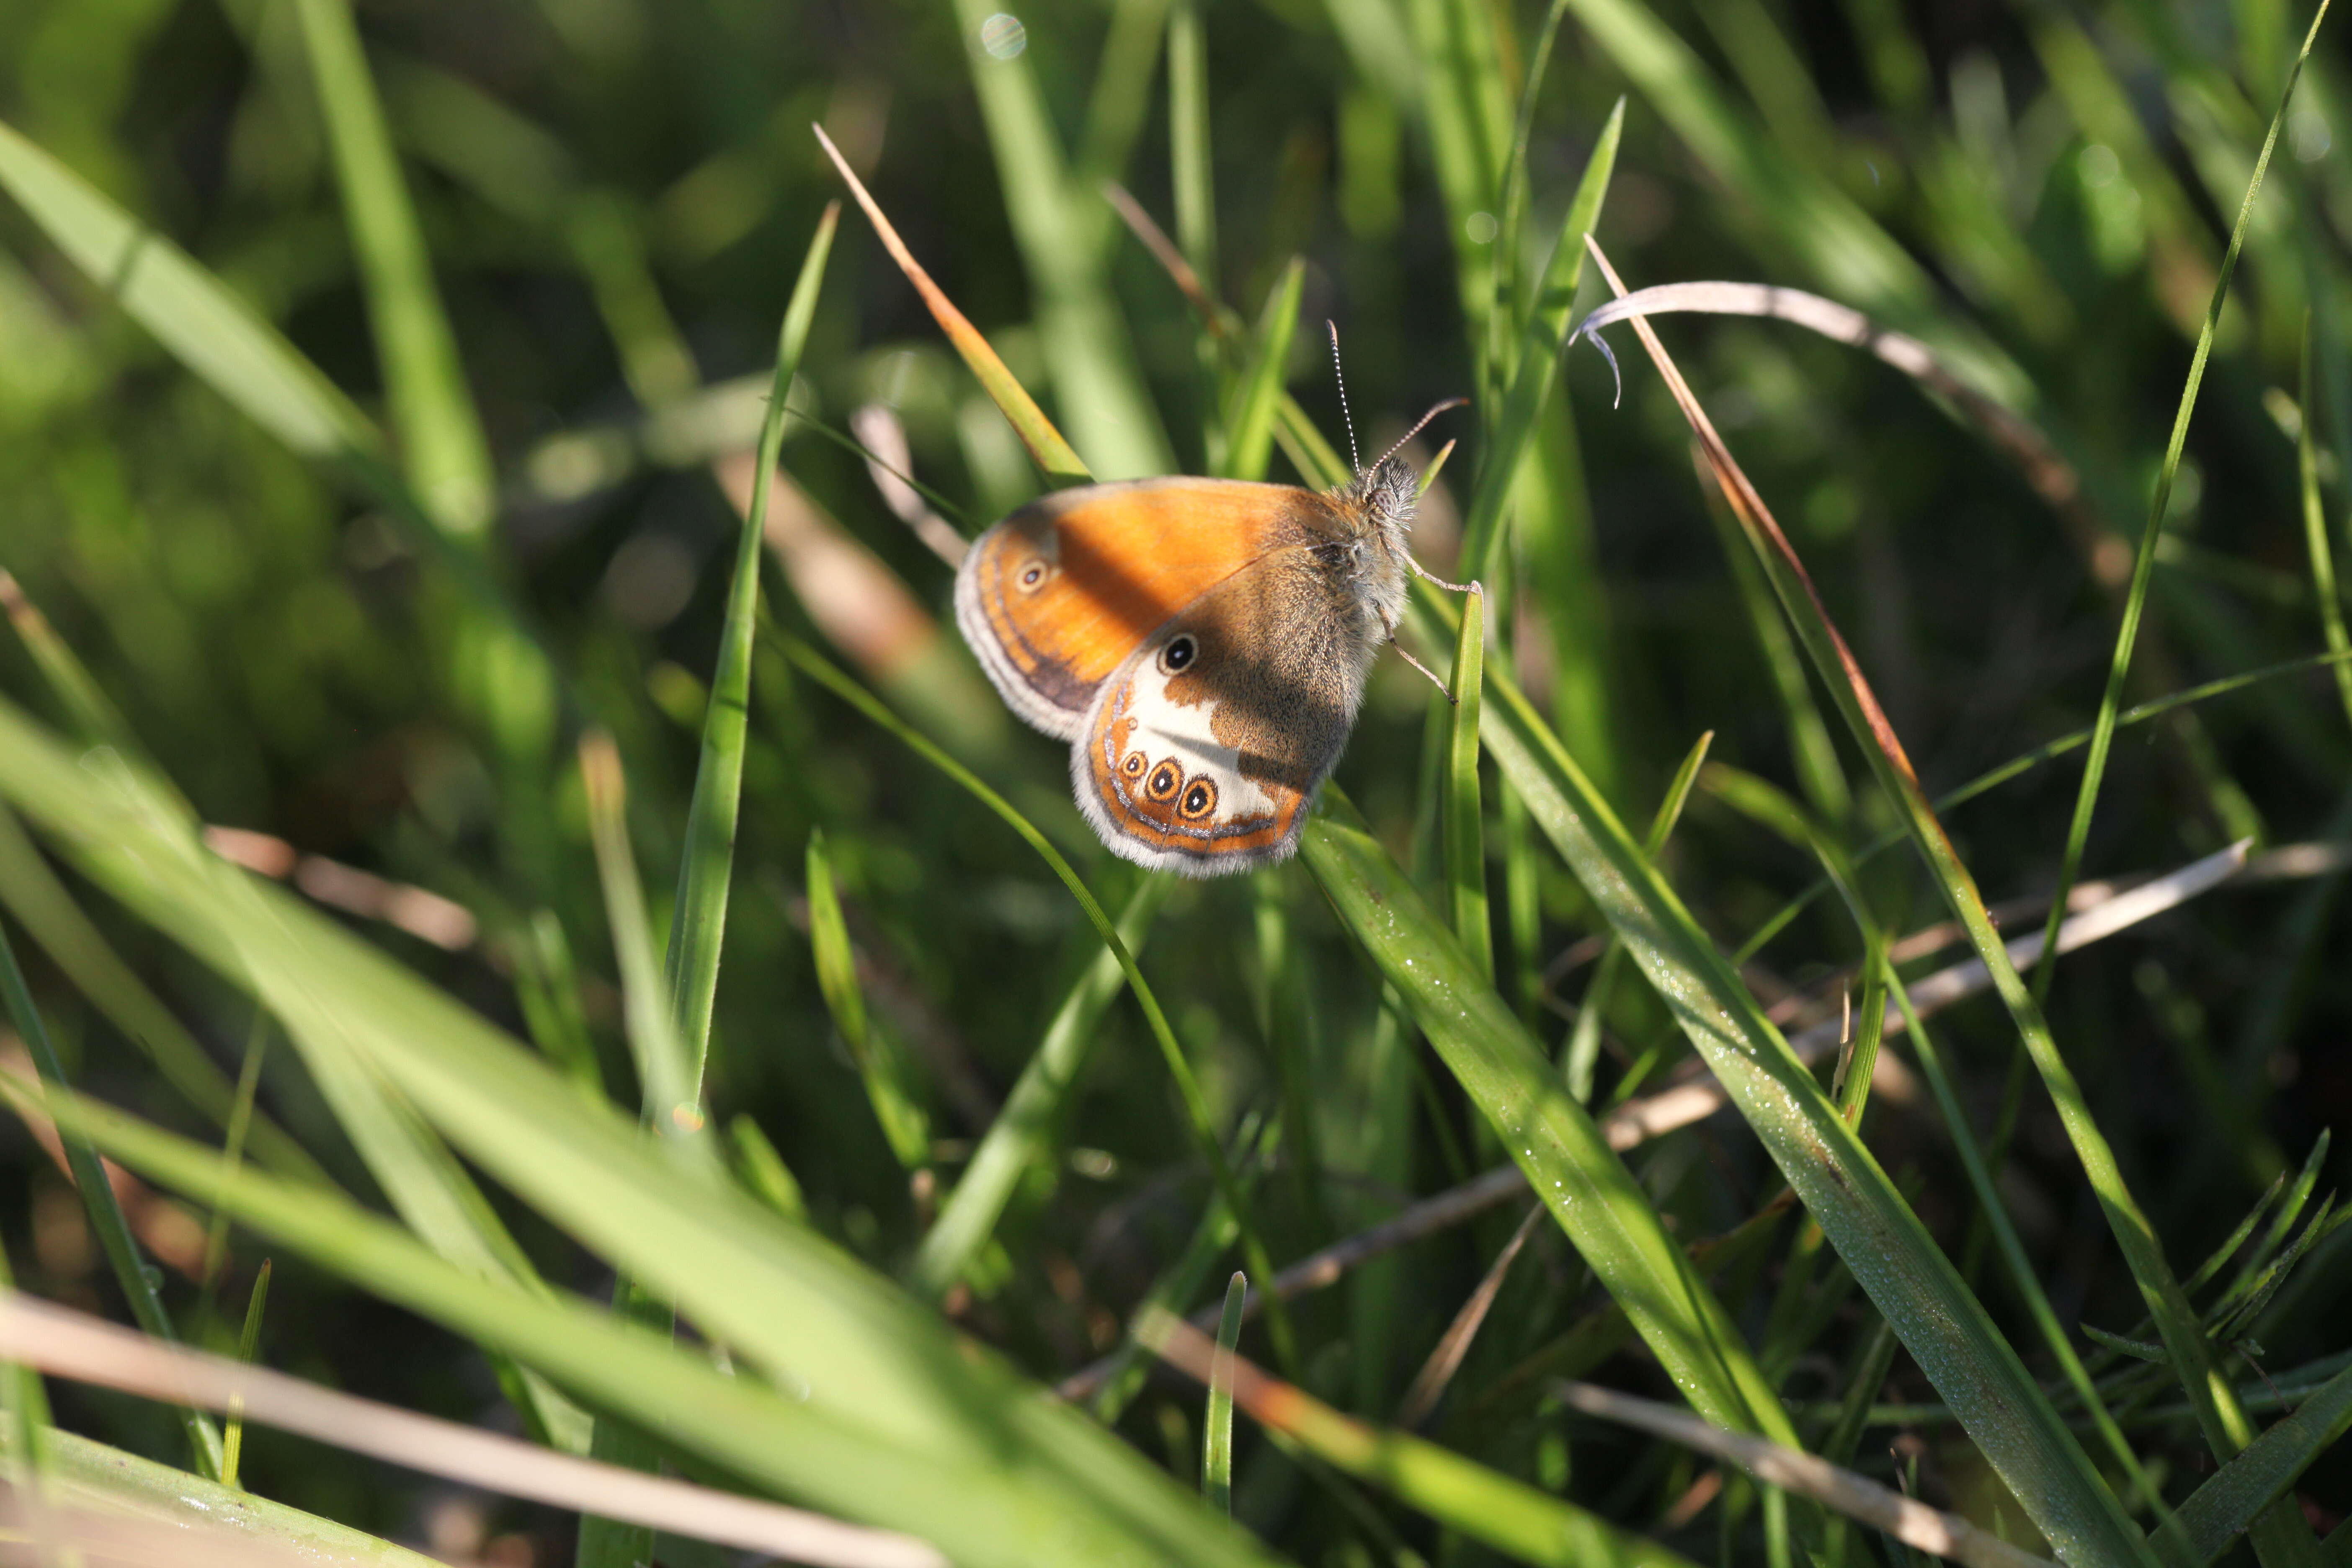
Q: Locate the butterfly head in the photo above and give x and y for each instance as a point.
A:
(1385, 495)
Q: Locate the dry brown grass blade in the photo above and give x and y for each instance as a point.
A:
(1912, 1523)
(1445, 1360)
(73, 1345)
(1052, 454)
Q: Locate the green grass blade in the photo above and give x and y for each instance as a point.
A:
(2315, 536)
(204, 325)
(75, 944)
(1023, 1133)
(1568, 1161)
(698, 919)
(1063, 232)
(1217, 1424)
(1249, 431)
(80, 1473)
(1512, 424)
(1583, 1052)
(1188, 1085)
(2241, 1491)
(107, 1221)
(2103, 731)
(905, 1125)
(1465, 823)
(670, 1094)
(1485, 1505)
(913, 1401)
(2023, 1279)
(1002, 1478)
(1467, 115)
(248, 1342)
(763, 1171)
(1897, 1264)
(442, 446)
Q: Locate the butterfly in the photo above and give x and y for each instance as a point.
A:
(1201, 644)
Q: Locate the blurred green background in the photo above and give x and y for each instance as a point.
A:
(616, 195)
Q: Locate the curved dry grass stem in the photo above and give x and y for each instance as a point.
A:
(72, 1345)
(1857, 1497)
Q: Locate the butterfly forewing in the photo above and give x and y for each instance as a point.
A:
(1057, 596)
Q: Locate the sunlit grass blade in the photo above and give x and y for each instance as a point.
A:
(1567, 1159)
(1217, 1424)
(1483, 1504)
(1465, 828)
(248, 1342)
(1857, 1497)
(1583, 1052)
(698, 919)
(1180, 1070)
(1905, 1273)
(1053, 455)
(2103, 730)
(442, 446)
(902, 1423)
(1537, 363)
(81, 1473)
(99, 1201)
(1249, 426)
(1022, 1134)
(905, 1125)
(1467, 115)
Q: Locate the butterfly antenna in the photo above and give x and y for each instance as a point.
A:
(1341, 378)
(1418, 423)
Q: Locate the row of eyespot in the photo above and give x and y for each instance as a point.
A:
(1166, 780)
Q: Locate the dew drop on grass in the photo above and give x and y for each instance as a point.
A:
(1003, 37)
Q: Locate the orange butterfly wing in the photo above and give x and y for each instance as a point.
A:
(1055, 598)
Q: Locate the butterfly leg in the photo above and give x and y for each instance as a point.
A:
(1405, 655)
(1432, 577)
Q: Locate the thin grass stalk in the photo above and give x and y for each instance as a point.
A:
(698, 919)
(2102, 731)
(248, 1343)
(1583, 1052)
(1188, 1085)
(905, 1126)
(1022, 1135)
(2315, 531)
(1465, 823)
(1511, 421)
(139, 1283)
(2224, 1422)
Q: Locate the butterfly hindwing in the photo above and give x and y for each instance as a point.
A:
(1058, 595)
(1202, 753)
